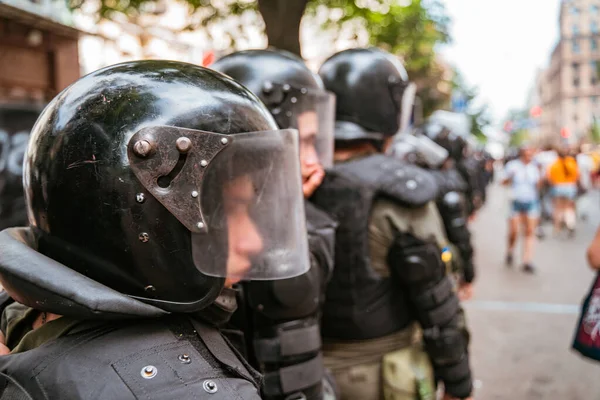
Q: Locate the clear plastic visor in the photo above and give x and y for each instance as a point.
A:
(239, 195)
(419, 149)
(313, 114)
(431, 152)
(253, 209)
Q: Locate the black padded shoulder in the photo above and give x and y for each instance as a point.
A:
(151, 359)
(407, 184)
(449, 180)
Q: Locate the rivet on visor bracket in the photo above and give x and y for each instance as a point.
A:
(203, 163)
(142, 148)
(183, 144)
(267, 87)
(194, 194)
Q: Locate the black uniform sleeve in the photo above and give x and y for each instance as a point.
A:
(454, 214)
(417, 266)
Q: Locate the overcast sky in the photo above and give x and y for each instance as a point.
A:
(499, 45)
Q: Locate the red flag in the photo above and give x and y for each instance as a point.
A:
(208, 58)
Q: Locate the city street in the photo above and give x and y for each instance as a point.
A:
(522, 325)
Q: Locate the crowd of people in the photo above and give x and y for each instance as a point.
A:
(548, 185)
(248, 230)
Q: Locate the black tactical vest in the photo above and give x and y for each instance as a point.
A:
(359, 303)
(169, 358)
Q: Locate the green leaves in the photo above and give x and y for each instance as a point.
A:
(518, 138)
(410, 29)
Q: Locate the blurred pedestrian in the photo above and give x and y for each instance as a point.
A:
(585, 163)
(563, 175)
(544, 159)
(595, 156)
(524, 178)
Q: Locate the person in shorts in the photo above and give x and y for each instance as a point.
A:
(563, 175)
(524, 178)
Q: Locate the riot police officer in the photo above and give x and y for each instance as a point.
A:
(457, 147)
(280, 319)
(451, 200)
(151, 186)
(389, 247)
(474, 163)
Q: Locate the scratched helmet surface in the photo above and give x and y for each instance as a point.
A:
(125, 176)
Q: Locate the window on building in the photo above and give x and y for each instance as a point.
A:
(576, 82)
(594, 44)
(594, 9)
(575, 100)
(594, 27)
(576, 48)
(574, 10)
(595, 99)
(575, 30)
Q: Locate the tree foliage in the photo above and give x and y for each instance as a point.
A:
(478, 114)
(518, 138)
(410, 29)
(594, 131)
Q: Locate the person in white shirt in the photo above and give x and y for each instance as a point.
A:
(524, 178)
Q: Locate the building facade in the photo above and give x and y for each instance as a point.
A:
(569, 89)
(39, 51)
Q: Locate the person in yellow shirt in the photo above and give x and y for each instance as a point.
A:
(563, 176)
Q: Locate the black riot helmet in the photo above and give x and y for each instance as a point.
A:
(454, 144)
(369, 85)
(290, 91)
(158, 179)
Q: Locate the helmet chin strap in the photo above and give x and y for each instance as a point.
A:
(221, 310)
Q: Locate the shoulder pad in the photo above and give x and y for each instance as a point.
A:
(454, 182)
(408, 184)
